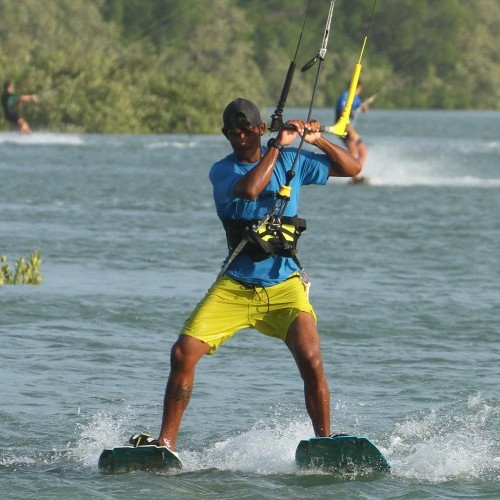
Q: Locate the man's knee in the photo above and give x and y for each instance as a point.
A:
(186, 352)
(312, 361)
(307, 354)
(177, 355)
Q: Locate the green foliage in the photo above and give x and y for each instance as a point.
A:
(24, 273)
(156, 66)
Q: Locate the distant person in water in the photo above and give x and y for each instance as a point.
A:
(12, 103)
(353, 140)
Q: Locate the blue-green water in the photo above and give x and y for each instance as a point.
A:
(406, 284)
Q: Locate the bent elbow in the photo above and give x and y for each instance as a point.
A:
(249, 195)
(246, 193)
(357, 168)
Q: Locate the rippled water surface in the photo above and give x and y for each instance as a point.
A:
(406, 278)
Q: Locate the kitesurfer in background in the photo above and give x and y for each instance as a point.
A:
(11, 104)
(260, 288)
(353, 140)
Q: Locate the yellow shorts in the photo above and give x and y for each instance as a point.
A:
(230, 306)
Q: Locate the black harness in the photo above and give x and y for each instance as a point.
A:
(277, 236)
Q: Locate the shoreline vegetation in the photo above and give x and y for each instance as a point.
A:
(170, 66)
(23, 273)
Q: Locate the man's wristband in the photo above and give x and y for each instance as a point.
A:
(273, 143)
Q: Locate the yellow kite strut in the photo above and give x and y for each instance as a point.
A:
(340, 128)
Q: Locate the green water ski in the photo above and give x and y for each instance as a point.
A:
(341, 454)
(130, 458)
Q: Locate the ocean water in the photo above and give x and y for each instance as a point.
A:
(406, 285)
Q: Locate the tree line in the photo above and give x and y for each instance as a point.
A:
(170, 66)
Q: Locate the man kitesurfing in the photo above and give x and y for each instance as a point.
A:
(262, 287)
(12, 103)
(262, 284)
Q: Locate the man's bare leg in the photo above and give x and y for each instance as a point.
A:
(23, 126)
(184, 356)
(303, 342)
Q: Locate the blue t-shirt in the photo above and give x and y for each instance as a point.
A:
(342, 101)
(312, 168)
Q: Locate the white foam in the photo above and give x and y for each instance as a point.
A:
(406, 165)
(434, 447)
(40, 138)
(171, 144)
(103, 431)
(265, 449)
(445, 444)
